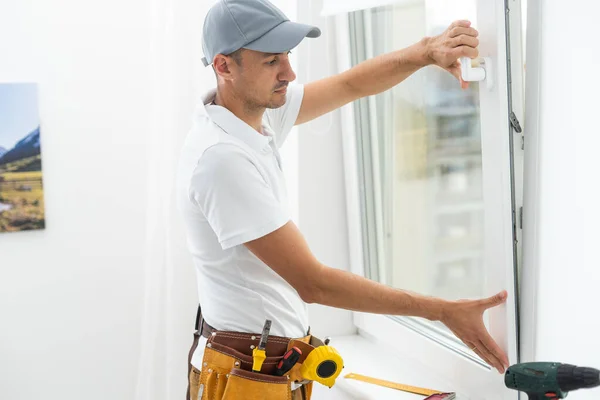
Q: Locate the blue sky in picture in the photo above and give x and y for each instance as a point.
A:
(18, 112)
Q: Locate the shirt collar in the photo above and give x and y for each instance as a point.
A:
(234, 126)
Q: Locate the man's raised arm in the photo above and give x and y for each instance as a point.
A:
(383, 72)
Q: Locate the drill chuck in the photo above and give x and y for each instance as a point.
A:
(569, 377)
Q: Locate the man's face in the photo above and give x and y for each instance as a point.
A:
(261, 79)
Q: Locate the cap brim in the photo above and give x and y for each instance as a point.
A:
(283, 37)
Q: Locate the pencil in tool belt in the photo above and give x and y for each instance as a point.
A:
(259, 354)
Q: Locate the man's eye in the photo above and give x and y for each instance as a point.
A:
(272, 62)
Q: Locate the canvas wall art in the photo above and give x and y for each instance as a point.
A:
(21, 187)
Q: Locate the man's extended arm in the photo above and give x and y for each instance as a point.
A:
(386, 71)
(287, 253)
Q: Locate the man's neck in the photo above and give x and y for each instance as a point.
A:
(251, 116)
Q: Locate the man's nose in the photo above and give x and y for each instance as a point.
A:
(287, 73)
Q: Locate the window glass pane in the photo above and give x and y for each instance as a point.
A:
(420, 161)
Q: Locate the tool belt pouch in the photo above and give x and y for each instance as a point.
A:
(227, 375)
(227, 369)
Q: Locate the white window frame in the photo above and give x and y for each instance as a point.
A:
(448, 358)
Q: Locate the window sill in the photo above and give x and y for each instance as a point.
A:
(362, 356)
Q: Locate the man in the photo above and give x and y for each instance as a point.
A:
(252, 263)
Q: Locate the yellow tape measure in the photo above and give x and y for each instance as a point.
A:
(324, 364)
(392, 385)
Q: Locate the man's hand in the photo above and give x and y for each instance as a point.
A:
(383, 72)
(459, 40)
(465, 319)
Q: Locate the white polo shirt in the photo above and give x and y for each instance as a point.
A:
(231, 190)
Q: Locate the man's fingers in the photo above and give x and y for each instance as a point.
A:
(483, 351)
(461, 30)
(463, 22)
(495, 362)
(495, 300)
(493, 348)
(454, 69)
(466, 51)
(481, 355)
(465, 40)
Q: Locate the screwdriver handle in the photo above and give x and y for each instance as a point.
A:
(258, 358)
(288, 361)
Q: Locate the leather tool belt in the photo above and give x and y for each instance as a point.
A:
(226, 372)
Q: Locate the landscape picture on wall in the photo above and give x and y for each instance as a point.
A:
(21, 188)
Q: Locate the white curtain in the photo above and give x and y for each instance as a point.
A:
(333, 7)
(156, 355)
(170, 291)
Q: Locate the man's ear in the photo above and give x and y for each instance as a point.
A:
(222, 66)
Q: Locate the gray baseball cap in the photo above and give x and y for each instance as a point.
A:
(251, 24)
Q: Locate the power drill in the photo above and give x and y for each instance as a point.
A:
(548, 380)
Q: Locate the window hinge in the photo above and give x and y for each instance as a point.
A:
(521, 217)
(515, 122)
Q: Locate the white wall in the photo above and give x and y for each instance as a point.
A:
(562, 141)
(72, 296)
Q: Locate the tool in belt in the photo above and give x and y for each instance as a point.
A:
(239, 363)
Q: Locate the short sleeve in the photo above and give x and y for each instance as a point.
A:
(234, 197)
(282, 119)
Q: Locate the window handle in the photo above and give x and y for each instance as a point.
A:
(483, 71)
